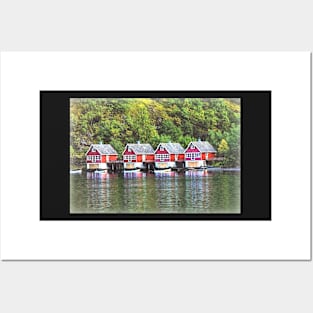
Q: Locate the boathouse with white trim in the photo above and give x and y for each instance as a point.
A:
(137, 155)
(198, 153)
(99, 155)
(168, 154)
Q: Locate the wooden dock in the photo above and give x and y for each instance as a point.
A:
(149, 165)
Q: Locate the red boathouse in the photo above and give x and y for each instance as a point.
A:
(98, 155)
(167, 154)
(198, 153)
(136, 155)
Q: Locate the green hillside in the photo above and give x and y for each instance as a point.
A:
(127, 120)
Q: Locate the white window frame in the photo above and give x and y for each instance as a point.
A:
(94, 158)
(193, 155)
(129, 157)
(163, 157)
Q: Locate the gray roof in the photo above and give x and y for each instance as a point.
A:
(141, 148)
(203, 146)
(104, 149)
(172, 147)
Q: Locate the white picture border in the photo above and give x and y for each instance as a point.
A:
(285, 237)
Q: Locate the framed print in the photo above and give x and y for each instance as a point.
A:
(155, 156)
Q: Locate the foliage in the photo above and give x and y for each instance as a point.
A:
(122, 121)
(223, 147)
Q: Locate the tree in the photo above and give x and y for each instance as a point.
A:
(223, 147)
(140, 123)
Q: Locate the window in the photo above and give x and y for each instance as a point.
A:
(162, 157)
(130, 158)
(193, 155)
(94, 158)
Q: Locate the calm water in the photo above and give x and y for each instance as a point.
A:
(190, 192)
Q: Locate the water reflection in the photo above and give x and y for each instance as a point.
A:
(197, 173)
(168, 192)
(133, 175)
